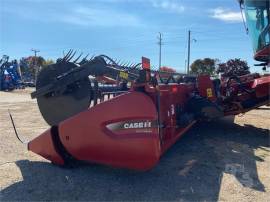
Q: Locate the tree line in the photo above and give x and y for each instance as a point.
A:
(209, 66)
(29, 66)
(233, 67)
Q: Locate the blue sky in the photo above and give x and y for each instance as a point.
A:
(125, 29)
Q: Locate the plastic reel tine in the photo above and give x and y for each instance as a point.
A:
(109, 62)
(64, 55)
(71, 56)
(92, 57)
(67, 55)
(116, 62)
(119, 63)
(78, 58)
(136, 66)
(128, 64)
(123, 64)
(84, 59)
(131, 66)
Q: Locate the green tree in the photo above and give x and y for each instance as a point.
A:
(48, 62)
(29, 65)
(233, 67)
(204, 66)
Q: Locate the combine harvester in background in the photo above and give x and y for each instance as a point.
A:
(131, 123)
(257, 14)
(10, 77)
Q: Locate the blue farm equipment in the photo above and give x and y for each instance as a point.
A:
(9, 75)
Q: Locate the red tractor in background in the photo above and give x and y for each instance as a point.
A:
(142, 113)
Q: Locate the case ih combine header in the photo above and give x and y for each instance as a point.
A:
(128, 116)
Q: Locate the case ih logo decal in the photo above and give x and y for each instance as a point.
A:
(144, 124)
(147, 124)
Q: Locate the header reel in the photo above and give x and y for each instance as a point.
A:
(64, 89)
(67, 87)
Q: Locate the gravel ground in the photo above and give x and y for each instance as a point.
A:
(222, 160)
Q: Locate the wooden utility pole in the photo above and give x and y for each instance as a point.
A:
(189, 41)
(35, 65)
(186, 65)
(160, 45)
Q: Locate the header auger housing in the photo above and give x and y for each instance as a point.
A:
(128, 116)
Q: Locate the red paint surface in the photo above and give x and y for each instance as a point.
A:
(262, 86)
(145, 63)
(43, 146)
(263, 54)
(205, 83)
(86, 138)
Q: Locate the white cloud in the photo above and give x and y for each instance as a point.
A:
(80, 16)
(173, 6)
(86, 16)
(168, 5)
(226, 15)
